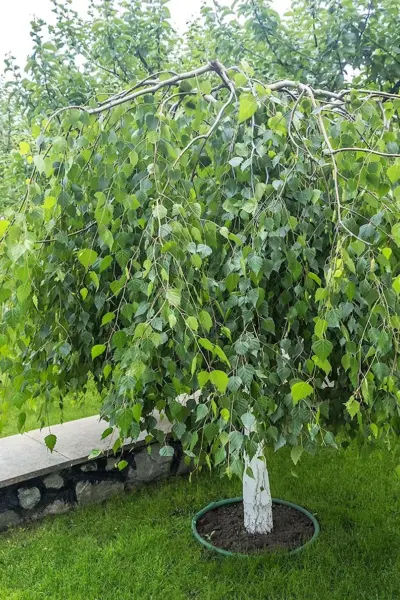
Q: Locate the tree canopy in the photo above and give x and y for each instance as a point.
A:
(218, 240)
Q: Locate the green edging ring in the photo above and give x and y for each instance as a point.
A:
(214, 505)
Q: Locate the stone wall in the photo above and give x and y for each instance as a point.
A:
(85, 483)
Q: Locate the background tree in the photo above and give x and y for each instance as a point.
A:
(80, 57)
(13, 168)
(323, 43)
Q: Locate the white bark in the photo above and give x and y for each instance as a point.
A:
(257, 501)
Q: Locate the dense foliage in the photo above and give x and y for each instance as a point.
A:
(217, 245)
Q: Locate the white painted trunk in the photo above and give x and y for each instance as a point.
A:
(257, 501)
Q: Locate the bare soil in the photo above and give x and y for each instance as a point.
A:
(223, 527)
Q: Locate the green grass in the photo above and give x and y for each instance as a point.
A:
(140, 546)
(88, 405)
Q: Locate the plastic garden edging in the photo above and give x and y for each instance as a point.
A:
(214, 505)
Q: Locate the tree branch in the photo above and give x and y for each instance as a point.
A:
(152, 90)
(205, 136)
(83, 230)
(366, 150)
(335, 171)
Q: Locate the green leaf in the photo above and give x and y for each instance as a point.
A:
(240, 79)
(172, 320)
(160, 212)
(107, 237)
(95, 454)
(225, 414)
(205, 320)
(87, 257)
(122, 465)
(381, 370)
(24, 148)
(396, 235)
(352, 406)
(325, 365)
(107, 318)
(50, 441)
(248, 420)
(137, 411)
(255, 263)
(387, 252)
(21, 421)
(174, 296)
(322, 348)
(329, 439)
(235, 161)
(196, 261)
(232, 281)
(107, 371)
(246, 374)
(167, 451)
(300, 391)
(133, 158)
(98, 350)
(49, 202)
(193, 365)
(107, 432)
(3, 226)
(314, 277)
(221, 354)
(333, 317)
(235, 440)
(201, 412)
(321, 294)
(277, 123)
(39, 163)
(205, 87)
(393, 172)
(105, 263)
(320, 327)
(296, 453)
(95, 278)
(179, 429)
(220, 380)
(23, 292)
(203, 378)
(396, 284)
(234, 383)
(247, 107)
(374, 430)
(204, 250)
(192, 323)
(206, 344)
(219, 456)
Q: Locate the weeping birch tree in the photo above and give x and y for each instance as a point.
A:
(213, 236)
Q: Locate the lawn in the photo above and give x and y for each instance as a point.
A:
(140, 546)
(73, 408)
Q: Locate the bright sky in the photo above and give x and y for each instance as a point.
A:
(15, 16)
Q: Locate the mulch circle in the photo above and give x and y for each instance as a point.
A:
(223, 528)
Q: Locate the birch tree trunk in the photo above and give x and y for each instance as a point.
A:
(257, 501)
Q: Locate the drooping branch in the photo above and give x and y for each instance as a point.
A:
(211, 67)
(296, 90)
(335, 170)
(71, 234)
(366, 150)
(151, 86)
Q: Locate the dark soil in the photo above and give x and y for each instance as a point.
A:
(223, 527)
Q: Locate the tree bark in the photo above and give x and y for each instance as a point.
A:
(257, 501)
